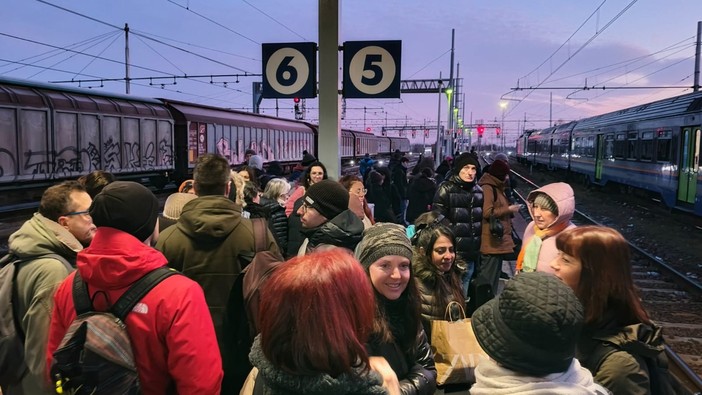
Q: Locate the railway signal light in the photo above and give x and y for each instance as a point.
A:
(497, 131)
(481, 130)
(298, 112)
(426, 132)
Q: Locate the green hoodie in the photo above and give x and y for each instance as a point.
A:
(37, 281)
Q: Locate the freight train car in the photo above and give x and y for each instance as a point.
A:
(50, 133)
(201, 129)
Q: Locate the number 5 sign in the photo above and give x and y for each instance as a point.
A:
(289, 70)
(372, 69)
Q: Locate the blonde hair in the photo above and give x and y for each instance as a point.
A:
(238, 184)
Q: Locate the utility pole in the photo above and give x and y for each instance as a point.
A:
(126, 57)
(696, 87)
(449, 145)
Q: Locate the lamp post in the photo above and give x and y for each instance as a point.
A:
(503, 105)
(450, 124)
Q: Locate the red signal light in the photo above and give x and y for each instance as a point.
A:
(481, 130)
(296, 100)
(497, 131)
(368, 129)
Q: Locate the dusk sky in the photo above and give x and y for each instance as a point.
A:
(499, 44)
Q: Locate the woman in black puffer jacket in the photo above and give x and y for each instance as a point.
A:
(274, 198)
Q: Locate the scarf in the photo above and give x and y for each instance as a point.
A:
(492, 378)
(529, 255)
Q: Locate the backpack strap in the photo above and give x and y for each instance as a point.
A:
(138, 290)
(260, 227)
(81, 297)
(83, 304)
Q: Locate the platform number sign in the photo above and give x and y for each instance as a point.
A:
(289, 70)
(372, 69)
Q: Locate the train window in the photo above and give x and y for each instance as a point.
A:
(609, 147)
(620, 146)
(646, 146)
(664, 146)
(631, 146)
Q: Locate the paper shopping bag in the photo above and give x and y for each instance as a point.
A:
(456, 350)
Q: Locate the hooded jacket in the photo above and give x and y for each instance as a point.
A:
(562, 195)
(275, 381)
(209, 244)
(496, 203)
(624, 370)
(420, 193)
(172, 336)
(345, 230)
(37, 281)
(462, 203)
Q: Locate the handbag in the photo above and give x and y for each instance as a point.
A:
(517, 246)
(496, 228)
(456, 350)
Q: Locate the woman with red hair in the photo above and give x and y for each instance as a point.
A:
(618, 338)
(316, 314)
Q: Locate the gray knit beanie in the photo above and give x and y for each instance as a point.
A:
(544, 201)
(383, 239)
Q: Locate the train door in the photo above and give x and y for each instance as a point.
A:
(689, 164)
(599, 155)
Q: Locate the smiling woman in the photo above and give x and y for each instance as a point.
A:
(385, 252)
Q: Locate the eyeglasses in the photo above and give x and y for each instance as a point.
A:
(77, 213)
(360, 192)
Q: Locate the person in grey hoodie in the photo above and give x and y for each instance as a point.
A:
(62, 226)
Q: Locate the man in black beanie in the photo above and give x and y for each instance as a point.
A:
(460, 200)
(326, 219)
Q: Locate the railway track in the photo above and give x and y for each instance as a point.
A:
(672, 298)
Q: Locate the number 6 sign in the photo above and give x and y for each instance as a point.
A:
(372, 69)
(289, 70)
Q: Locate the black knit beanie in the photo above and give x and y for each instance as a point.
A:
(383, 239)
(328, 197)
(127, 206)
(465, 159)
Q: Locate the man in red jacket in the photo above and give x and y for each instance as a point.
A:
(171, 331)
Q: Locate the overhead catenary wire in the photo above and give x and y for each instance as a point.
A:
(274, 20)
(142, 35)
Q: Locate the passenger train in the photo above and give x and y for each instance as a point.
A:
(50, 133)
(653, 147)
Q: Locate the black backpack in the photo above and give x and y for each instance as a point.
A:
(12, 365)
(95, 355)
(661, 381)
(241, 316)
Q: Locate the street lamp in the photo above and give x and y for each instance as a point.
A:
(503, 105)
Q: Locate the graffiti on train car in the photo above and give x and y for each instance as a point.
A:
(71, 160)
